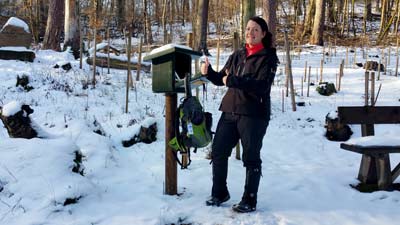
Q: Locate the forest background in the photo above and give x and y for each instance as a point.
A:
(341, 22)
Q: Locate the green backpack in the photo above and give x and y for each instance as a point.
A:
(192, 127)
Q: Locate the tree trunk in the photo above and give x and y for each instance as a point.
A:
(171, 19)
(345, 16)
(331, 11)
(249, 10)
(368, 9)
(269, 12)
(317, 37)
(148, 35)
(352, 17)
(54, 25)
(383, 16)
(71, 27)
(121, 14)
(157, 12)
(202, 22)
(309, 16)
(164, 21)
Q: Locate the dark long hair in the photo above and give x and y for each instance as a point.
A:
(267, 40)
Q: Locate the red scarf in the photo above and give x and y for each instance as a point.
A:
(254, 49)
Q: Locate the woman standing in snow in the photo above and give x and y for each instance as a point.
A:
(246, 108)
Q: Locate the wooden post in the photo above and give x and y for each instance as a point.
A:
(397, 56)
(336, 80)
(235, 41)
(283, 100)
(379, 70)
(139, 65)
(372, 88)
(347, 57)
(335, 46)
(94, 57)
(80, 48)
(305, 71)
(340, 74)
(390, 52)
(366, 87)
(355, 58)
(308, 82)
(289, 68)
(386, 64)
(236, 47)
(128, 77)
(218, 53)
(171, 181)
(301, 81)
(321, 71)
(108, 51)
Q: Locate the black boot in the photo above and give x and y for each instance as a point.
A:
(249, 199)
(219, 192)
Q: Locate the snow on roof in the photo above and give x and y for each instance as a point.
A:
(14, 21)
(11, 108)
(375, 140)
(168, 46)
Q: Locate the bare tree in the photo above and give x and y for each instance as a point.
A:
(54, 26)
(319, 22)
(121, 14)
(71, 27)
(309, 18)
(148, 37)
(202, 23)
(269, 12)
(248, 11)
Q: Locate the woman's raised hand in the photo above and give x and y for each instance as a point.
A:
(204, 66)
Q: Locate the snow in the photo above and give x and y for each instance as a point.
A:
(15, 49)
(168, 47)
(306, 178)
(100, 46)
(375, 141)
(14, 21)
(11, 108)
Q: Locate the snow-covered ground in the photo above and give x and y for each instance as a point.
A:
(305, 177)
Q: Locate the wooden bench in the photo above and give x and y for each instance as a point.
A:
(375, 172)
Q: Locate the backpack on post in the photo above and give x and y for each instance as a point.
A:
(192, 126)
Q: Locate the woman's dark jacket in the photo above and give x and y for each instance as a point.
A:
(249, 82)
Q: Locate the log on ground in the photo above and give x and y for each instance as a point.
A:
(117, 64)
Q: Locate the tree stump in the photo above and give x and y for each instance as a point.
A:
(326, 89)
(146, 135)
(336, 131)
(19, 124)
(373, 65)
(23, 81)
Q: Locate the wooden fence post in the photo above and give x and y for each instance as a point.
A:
(308, 82)
(366, 87)
(139, 65)
(289, 69)
(80, 48)
(94, 57)
(171, 181)
(108, 51)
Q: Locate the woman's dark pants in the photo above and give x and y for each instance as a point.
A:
(232, 127)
